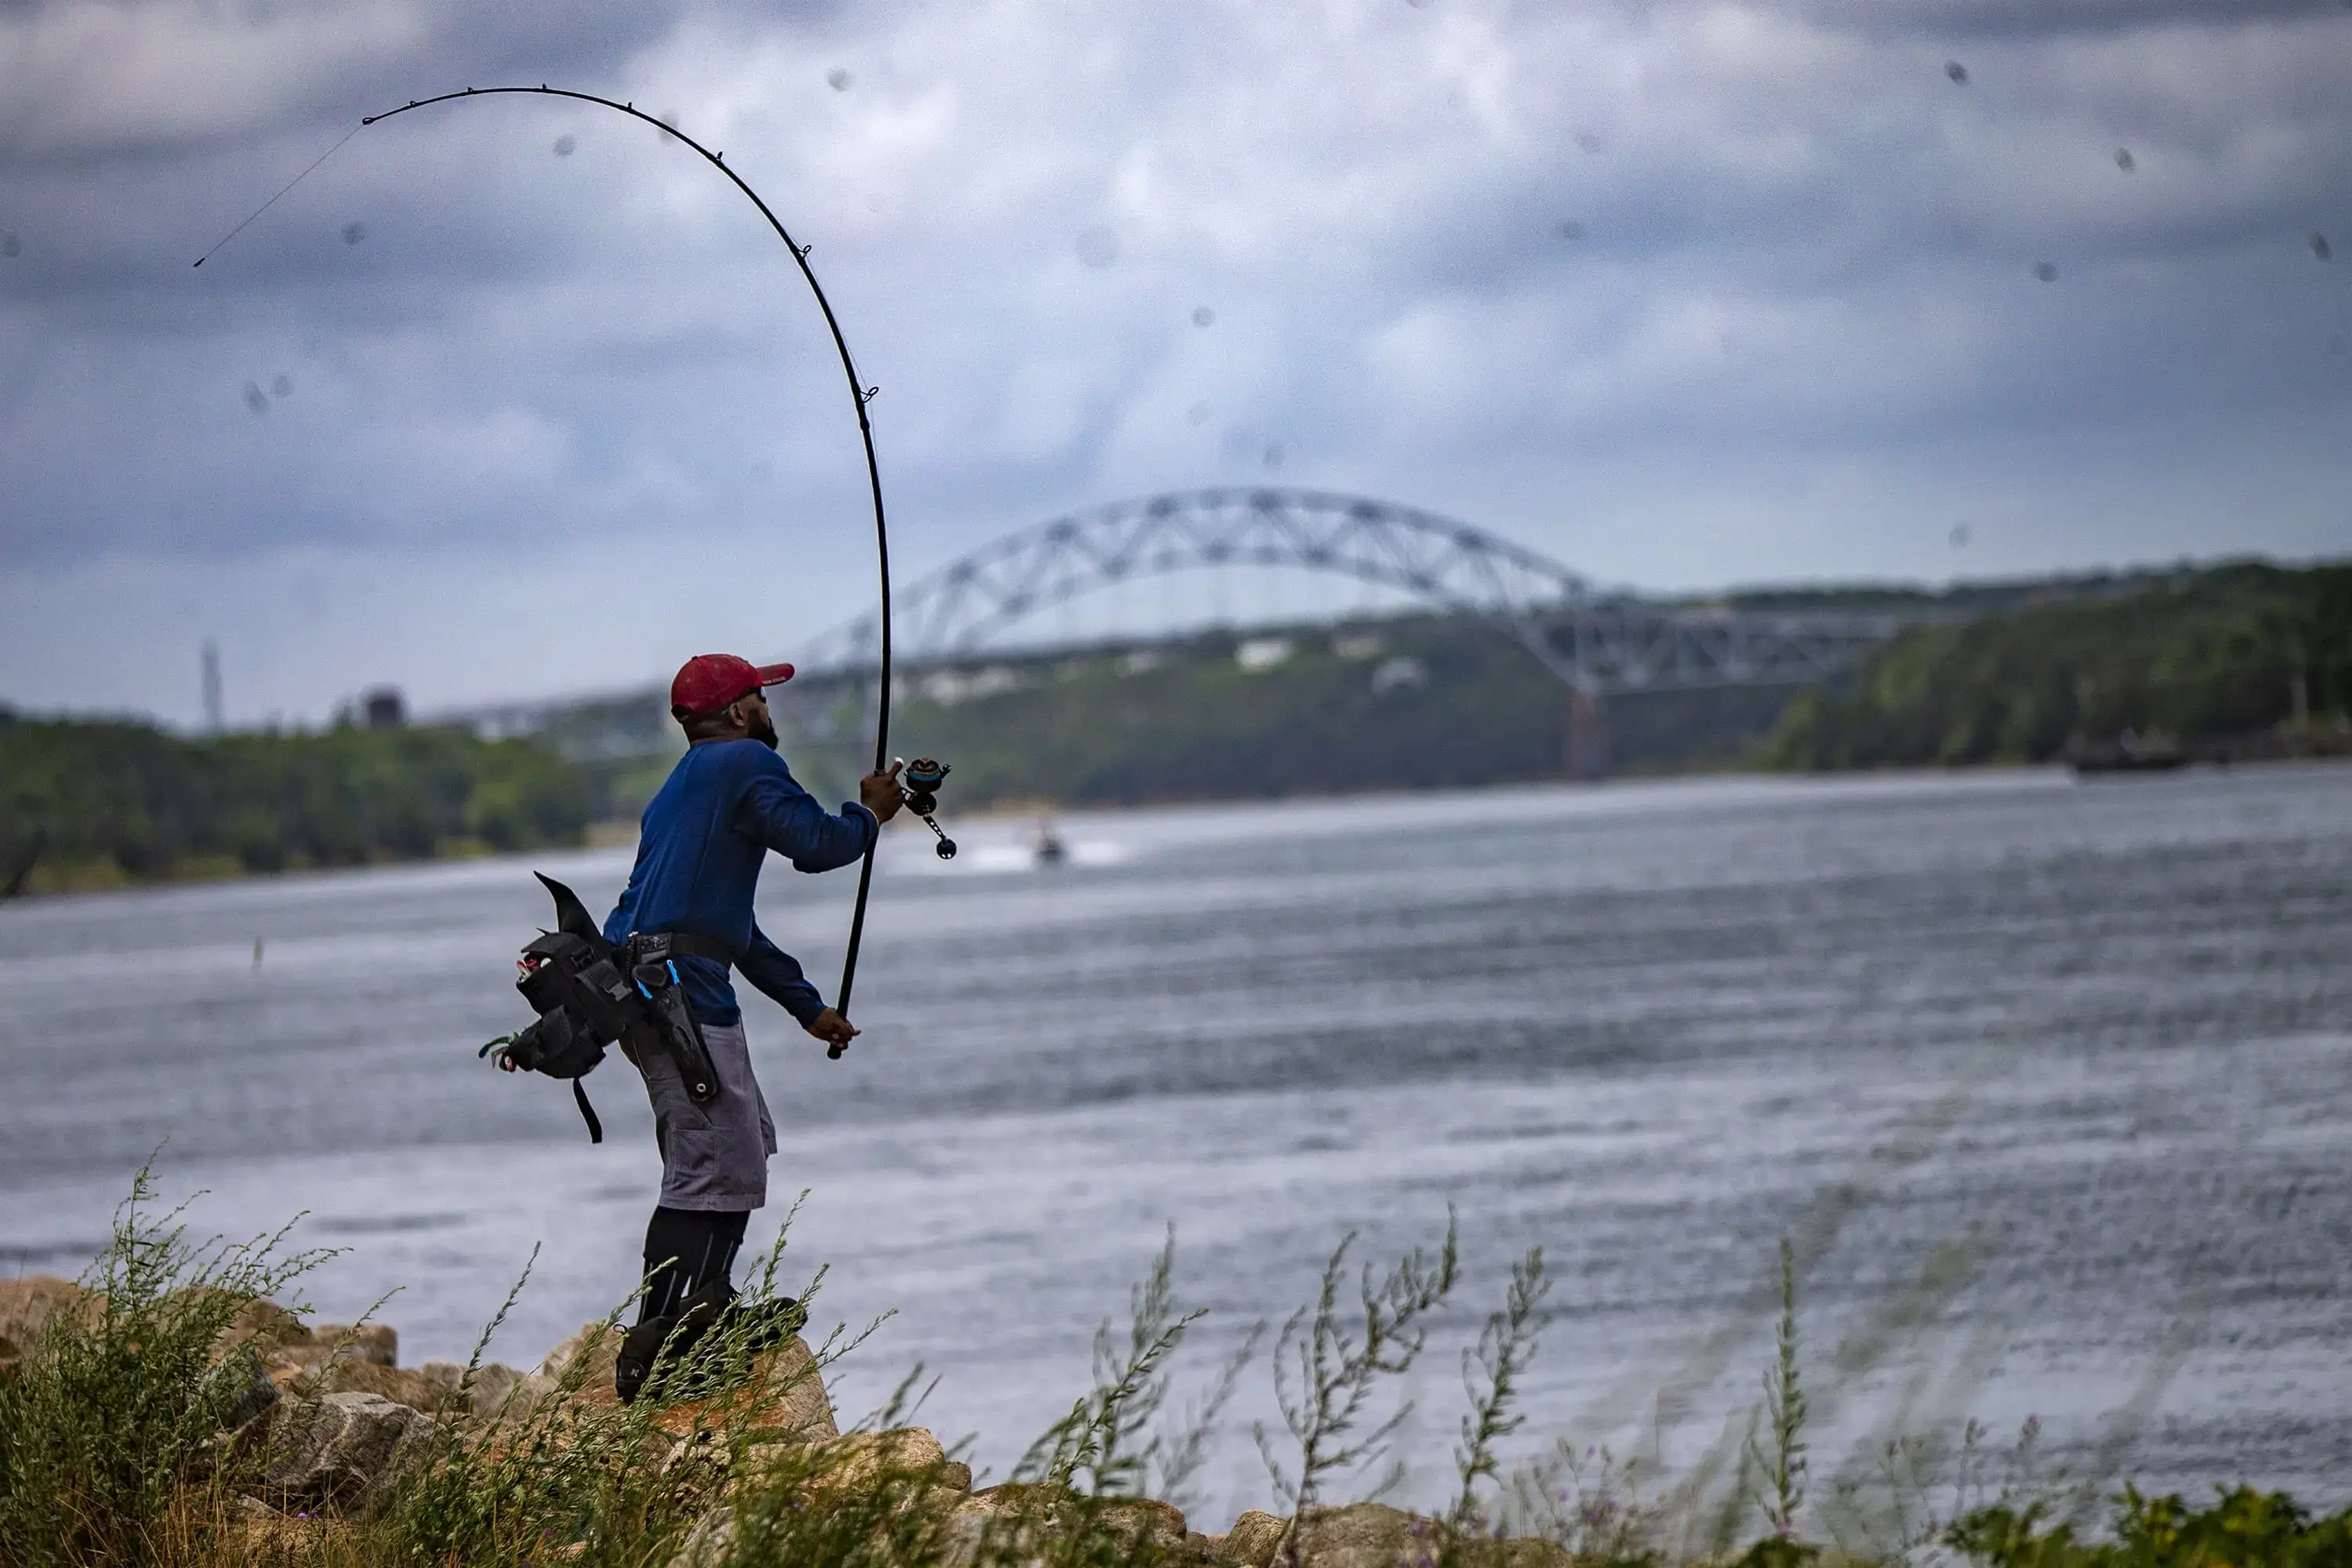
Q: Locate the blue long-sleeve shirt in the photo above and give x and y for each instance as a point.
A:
(701, 844)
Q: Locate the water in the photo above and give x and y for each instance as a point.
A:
(2046, 1081)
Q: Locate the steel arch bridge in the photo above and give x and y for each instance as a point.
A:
(1593, 642)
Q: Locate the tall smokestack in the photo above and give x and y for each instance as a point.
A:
(212, 689)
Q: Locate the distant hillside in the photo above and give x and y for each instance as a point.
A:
(1955, 601)
(1403, 703)
(2247, 659)
(94, 803)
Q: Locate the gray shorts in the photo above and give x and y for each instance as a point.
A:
(714, 1156)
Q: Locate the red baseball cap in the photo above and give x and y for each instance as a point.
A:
(709, 682)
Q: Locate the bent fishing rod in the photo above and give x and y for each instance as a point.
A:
(859, 393)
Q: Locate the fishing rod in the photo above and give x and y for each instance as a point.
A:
(860, 395)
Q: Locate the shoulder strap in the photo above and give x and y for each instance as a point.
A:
(587, 1114)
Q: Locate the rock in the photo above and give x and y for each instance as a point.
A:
(1368, 1535)
(443, 1376)
(257, 1533)
(1016, 1518)
(28, 1307)
(906, 1453)
(1532, 1551)
(596, 1344)
(298, 1358)
(332, 1344)
(785, 1393)
(783, 1401)
(377, 1342)
(337, 1451)
(412, 1388)
(255, 1395)
(710, 1542)
(268, 1327)
(492, 1383)
(1250, 1543)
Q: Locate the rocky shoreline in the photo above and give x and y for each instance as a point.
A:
(326, 1427)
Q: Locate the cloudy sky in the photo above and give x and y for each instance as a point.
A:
(515, 396)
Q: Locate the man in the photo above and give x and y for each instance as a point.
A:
(701, 843)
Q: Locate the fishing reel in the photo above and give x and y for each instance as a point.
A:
(920, 781)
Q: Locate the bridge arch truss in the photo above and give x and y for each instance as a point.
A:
(1594, 642)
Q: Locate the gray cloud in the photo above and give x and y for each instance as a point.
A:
(1798, 330)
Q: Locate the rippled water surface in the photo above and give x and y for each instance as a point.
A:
(2047, 1082)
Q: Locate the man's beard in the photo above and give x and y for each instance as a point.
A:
(763, 730)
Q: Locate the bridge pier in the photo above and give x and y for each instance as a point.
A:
(1588, 734)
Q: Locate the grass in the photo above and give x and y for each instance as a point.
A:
(113, 1452)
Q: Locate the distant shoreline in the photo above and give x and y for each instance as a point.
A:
(620, 833)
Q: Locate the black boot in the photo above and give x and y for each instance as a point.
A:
(690, 1253)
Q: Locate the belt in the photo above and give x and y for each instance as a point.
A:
(653, 947)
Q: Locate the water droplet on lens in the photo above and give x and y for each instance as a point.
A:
(1202, 315)
(282, 384)
(837, 79)
(1957, 71)
(254, 398)
(11, 245)
(564, 146)
(2124, 161)
(354, 232)
(2046, 270)
(1571, 229)
(1098, 247)
(2320, 247)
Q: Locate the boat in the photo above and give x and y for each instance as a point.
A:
(2128, 752)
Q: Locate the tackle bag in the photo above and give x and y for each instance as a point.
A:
(589, 995)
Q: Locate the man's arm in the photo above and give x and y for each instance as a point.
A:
(778, 975)
(777, 812)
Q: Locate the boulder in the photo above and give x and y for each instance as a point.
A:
(402, 1386)
(1533, 1552)
(338, 1451)
(840, 1463)
(909, 1453)
(265, 1325)
(596, 1345)
(376, 1342)
(256, 1533)
(1016, 1518)
(290, 1359)
(1251, 1541)
(492, 1383)
(255, 1395)
(1368, 1535)
(27, 1307)
(783, 1401)
(711, 1542)
(784, 1397)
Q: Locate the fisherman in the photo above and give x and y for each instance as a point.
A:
(702, 840)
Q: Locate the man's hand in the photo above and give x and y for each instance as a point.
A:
(879, 794)
(831, 1027)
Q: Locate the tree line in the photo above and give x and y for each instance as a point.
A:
(87, 802)
(2244, 660)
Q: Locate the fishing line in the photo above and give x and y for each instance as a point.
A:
(288, 185)
(859, 392)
